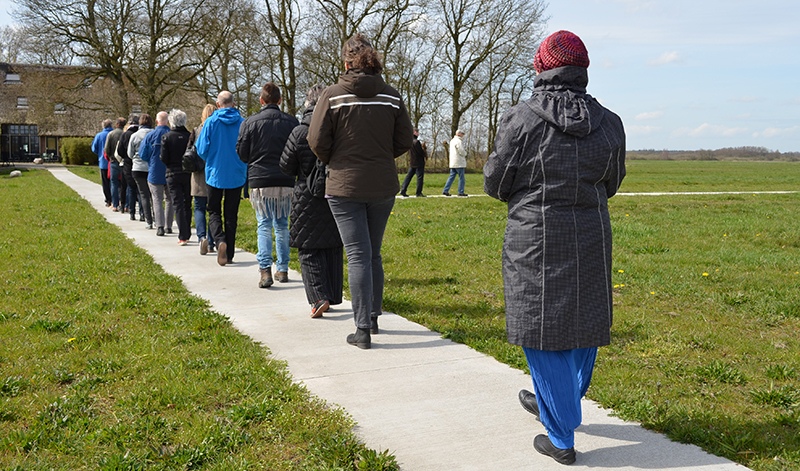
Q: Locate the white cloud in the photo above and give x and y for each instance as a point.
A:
(714, 130)
(778, 132)
(744, 99)
(666, 58)
(637, 5)
(640, 130)
(649, 115)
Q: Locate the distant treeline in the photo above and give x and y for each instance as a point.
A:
(727, 153)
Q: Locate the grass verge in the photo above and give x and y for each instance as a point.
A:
(109, 363)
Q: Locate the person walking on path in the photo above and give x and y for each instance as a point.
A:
(140, 168)
(416, 165)
(557, 248)
(359, 127)
(200, 191)
(98, 143)
(313, 230)
(118, 189)
(150, 152)
(262, 138)
(225, 173)
(179, 182)
(458, 164)
(121, 153)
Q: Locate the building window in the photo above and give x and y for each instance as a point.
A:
(22, 102)
(12, 78)
(60, 108)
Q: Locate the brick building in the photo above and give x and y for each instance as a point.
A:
(41, 104)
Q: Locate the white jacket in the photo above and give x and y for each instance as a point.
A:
(458, 155)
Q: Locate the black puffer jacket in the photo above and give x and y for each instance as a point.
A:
(260, 144)
(312, 224)
(173, 145)
(122, 146)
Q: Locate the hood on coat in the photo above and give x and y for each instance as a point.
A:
(229, 115)
(560, 98)
(307, 114)
(360, 84)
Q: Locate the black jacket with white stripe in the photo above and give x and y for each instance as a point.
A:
(360, 125)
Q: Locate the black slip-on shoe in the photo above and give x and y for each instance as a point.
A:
(360, 338)
(373, 329)
(543, 445)
(528, 401)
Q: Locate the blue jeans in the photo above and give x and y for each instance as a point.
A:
(453, 172)
(362, 223)
(200, 220)
(267, 223)
(560, 380)
(116, 172)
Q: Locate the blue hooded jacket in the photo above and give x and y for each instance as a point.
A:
(150, 152)
(98, 143)
(216, 144)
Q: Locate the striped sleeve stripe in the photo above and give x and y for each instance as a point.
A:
(353, 100)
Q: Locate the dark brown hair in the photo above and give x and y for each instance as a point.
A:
(146, 120)
(358, 53)
(270, 94)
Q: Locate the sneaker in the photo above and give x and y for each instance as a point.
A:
(281, 276)
(149, 226)
(543, 445)
(373, 329)
(463, 194)
(266, 278)
(404, 195)
(182, 243)
(319, 308)
(169, 230)
(133, 217)
(360, 339)
(446, 193)
(141, 218)
(222, 254)
(160, 231)
(115, 209)
(421, 195)
(203, 246)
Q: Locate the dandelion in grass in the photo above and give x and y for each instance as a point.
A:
(705, 274)
(620, 271)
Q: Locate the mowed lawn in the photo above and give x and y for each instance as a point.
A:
(108, 363)
(707, 307)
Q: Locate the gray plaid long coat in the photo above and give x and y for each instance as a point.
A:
(557, 159)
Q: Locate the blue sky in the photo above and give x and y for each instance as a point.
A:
(687, 75)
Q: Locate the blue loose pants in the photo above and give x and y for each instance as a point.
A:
(560, 380)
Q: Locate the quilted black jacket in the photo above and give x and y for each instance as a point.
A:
(311, 223)
(262, 138)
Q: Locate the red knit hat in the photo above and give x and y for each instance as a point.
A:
(559, 49)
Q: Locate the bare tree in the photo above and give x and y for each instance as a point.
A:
(477, 30)
(283, 18)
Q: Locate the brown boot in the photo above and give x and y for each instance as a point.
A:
(266, 278)
(282, 276)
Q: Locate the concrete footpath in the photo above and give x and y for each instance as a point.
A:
(435, 404)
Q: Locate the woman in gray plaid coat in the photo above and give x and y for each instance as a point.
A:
(557, 159)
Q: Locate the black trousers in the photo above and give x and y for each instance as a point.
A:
(420, 171)
(133, 190)
(144, 195)
(106, 185)
(180, 188)
(226, 233)
(323, 274)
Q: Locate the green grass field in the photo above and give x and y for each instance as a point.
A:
(707, 306)
(108, 363)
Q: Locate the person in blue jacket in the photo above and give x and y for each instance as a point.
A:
(225, 173)
(98, 143)
(150, 152)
